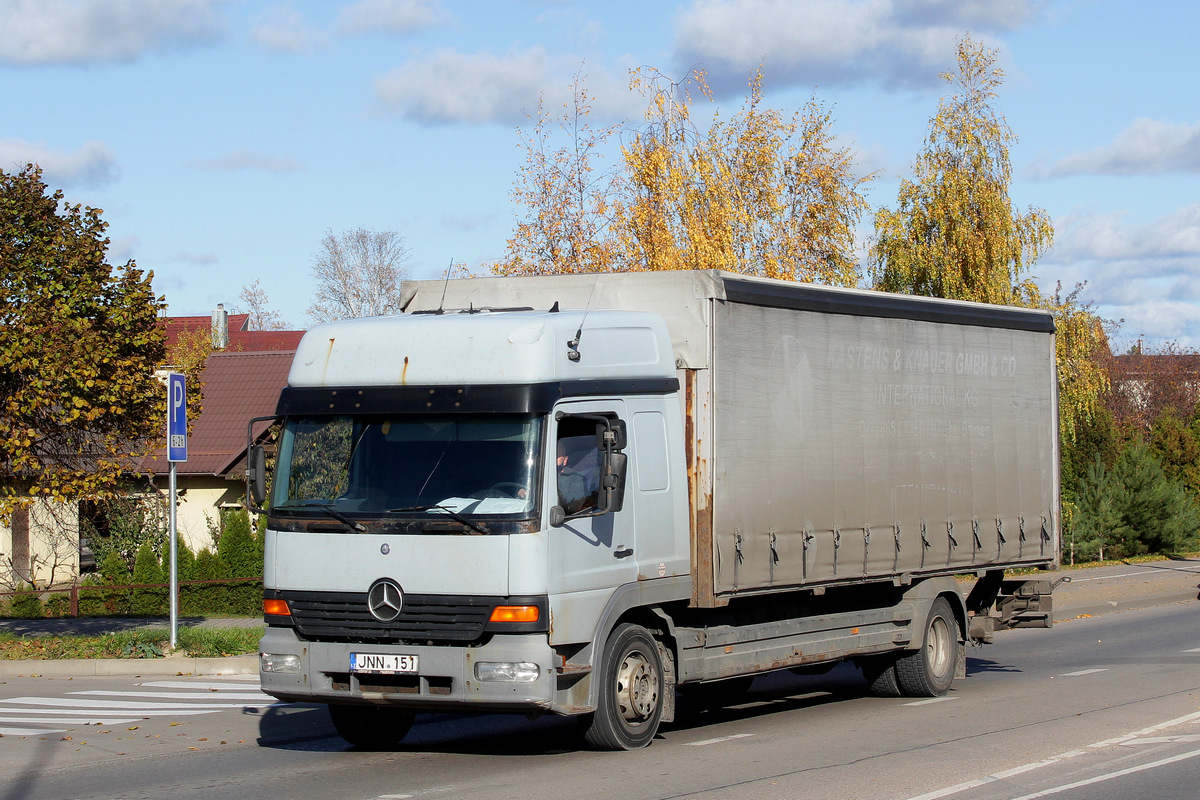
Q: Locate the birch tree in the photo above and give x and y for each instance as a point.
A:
(955, 234)
(358, 274)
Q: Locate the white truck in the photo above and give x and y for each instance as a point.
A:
(575, 494)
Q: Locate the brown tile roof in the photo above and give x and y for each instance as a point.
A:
(238, 386)
(240, 338)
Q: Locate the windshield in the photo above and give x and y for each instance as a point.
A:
(379, 466)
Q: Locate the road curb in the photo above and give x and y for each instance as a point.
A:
(1097, 609)
(92, 667)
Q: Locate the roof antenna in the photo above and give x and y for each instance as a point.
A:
(573, 345)
(445, 285)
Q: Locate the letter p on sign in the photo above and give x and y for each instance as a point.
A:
(176, 418)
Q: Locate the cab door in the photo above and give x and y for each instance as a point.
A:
(590, 556)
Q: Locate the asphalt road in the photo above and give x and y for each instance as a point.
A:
(1098, 707)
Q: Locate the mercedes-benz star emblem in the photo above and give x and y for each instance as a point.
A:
(384, 600)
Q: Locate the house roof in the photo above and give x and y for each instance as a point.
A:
(240, 337)
(238, 386)
(1133, 366)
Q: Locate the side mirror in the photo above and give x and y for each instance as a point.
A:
(256, 475)
(612, 436)
(612, 482)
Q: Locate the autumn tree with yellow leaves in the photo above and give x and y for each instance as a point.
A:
(955, 234)
(762, 193)
(567, 202)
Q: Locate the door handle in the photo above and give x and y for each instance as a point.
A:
(623, 553)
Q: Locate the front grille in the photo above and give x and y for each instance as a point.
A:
(343, 616)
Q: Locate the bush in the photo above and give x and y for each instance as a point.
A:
(27, 605)
(58, 605)
(148, 601)
(239, 551)
(237, 547)
(92, 598)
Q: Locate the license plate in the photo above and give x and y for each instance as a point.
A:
(382, 664)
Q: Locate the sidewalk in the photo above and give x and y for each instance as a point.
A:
(1090, 592)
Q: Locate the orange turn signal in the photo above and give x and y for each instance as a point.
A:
(514, 614)
(276, 608)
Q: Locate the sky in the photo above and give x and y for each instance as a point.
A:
(224, 139)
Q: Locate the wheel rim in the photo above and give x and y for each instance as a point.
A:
(937, 646)
(637, 688)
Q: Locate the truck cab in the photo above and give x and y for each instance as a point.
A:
(453, 514)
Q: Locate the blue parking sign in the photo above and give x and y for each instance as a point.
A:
(176, 417)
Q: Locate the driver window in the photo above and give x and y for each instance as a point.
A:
(577, 465)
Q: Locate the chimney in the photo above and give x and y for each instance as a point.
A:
(220, 327)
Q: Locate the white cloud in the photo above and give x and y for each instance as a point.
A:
(93, 164)
(397, 17)
(36, 32)
(454, 87)
(466, 87)
(1107, 237)
(835, 42)
(1147, 275)
(240, 160)
(282, 29)
(468, 223)
(1146, 147)
(202, 259)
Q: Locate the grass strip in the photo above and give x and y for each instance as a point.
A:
(142, 643)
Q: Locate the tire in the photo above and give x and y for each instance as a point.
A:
(371, 727)
(630, 705)
(880, 672)
(929, 671)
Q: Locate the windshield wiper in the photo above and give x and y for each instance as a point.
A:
(450, 512)
(333, 512)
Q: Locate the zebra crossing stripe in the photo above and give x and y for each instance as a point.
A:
(257, 696)
(73, 720)
(129, 705)
(29, 731)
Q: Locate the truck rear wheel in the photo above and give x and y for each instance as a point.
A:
(929, 671)
(880, 672)
(630, 704)
(371, 727)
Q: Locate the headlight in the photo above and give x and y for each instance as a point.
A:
(507, 671)
(278, 662)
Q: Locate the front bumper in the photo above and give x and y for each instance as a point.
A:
(446, 680)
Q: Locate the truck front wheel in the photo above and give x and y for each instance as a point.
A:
(929, 671)
(630, 705)
(371, 727)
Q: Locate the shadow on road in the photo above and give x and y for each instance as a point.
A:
(308, 728)
(977, 666)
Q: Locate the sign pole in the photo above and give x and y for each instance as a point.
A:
(174, 580)
(176, 452)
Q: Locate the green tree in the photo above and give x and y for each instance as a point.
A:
(1174, 444)
(1134, 508)
(78, 346)
(237, 547)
